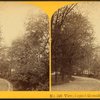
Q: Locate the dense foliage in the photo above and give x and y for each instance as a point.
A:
(72, 41)
(29, 56)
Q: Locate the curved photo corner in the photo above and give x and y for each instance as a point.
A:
(75, 47)
(24, 48)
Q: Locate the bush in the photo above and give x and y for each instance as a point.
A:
(28, 80)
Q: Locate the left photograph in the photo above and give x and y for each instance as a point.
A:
(24, 47)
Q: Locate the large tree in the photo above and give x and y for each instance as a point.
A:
(29, 55)
(72, 37)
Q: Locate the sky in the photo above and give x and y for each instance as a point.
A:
(12, 19)
(13, 16)
(92, 11)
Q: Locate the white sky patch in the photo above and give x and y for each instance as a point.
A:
(12, 19)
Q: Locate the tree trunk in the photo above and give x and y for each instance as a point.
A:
(62, 77)
(62, 72)
(70, 73)
(56, 77)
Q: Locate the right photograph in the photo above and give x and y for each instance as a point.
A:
(75, 47)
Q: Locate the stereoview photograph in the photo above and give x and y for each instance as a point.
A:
(24, 48)
(75, 47)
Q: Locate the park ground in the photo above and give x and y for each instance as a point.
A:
(78, 84)
(5, 85)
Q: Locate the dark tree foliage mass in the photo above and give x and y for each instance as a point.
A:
(29, 56)
(72, 41)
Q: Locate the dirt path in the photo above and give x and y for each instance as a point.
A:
(5, 85)
(79, 84)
